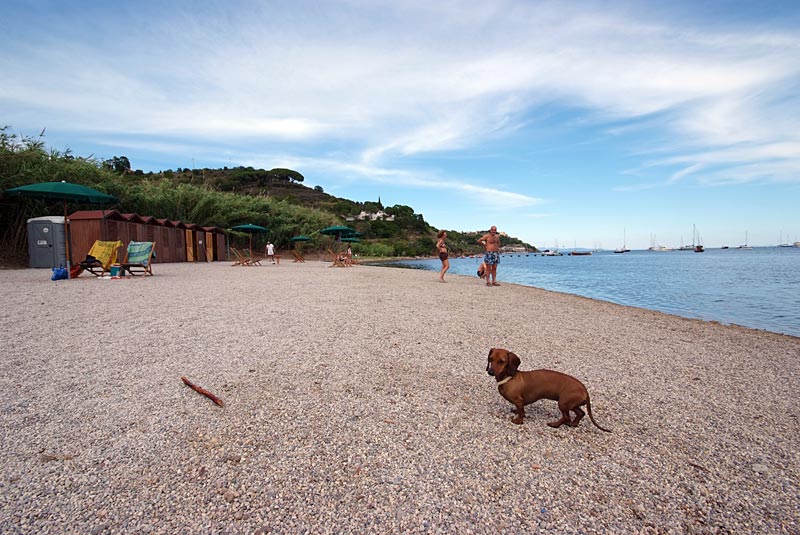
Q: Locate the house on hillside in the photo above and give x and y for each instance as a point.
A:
(380, 215)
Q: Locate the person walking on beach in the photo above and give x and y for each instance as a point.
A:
(441, 246)
(348, 256)
(491, 256)
(270, 252)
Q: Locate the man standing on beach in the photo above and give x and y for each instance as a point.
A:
(491, 256)
(270, 252)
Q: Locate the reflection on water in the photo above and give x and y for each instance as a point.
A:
(758, 288)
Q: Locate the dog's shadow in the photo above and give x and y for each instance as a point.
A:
(534, 411)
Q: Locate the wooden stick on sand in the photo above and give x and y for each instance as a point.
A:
(203, 391)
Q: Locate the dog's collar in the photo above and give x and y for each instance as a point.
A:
(504, 381)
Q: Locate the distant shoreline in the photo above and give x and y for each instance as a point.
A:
(555, 277)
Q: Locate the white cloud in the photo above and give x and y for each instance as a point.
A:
(382, 82)
(491, 197)
(676, 177)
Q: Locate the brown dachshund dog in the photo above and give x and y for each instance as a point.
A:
(522, 388)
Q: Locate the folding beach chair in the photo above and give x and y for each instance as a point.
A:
(100, 257)
(243, 258)
(298, 256)
(252, 259)
(239, 259)
(138, 259)
(336, 258)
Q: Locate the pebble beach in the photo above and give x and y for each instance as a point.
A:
(356, 401)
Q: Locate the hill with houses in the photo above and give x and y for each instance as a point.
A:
(275, 198)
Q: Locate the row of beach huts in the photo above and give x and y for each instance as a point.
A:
(175, 241)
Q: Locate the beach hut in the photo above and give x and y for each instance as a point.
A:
(170, 241)
(194, 252)
(221, 248)
(200, 244)
(187, 238)
(215, 244)
(87, 226)
(136, 228)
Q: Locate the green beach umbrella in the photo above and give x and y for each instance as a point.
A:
(298, 239)
(339, 231)
(250, 229)
(63, 191)
(350, 239)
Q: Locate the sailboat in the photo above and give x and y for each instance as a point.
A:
(624, 248)
(657, 248)
(686, 247)
(745, 245)
(698, 247)
(575, 251)
(781, 243)
(554, 251)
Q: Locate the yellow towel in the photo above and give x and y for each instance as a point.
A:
(105, 252)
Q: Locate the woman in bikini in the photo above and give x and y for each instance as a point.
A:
(441, 246)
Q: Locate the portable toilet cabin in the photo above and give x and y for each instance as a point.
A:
(47, 245)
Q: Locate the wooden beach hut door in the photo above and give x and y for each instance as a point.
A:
(189, 246)
(209, 247)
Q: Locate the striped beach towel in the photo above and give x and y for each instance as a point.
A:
(139, 252)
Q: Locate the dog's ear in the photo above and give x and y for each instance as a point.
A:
(513, 363)
(489, 359)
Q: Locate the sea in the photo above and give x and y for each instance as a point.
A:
(757, 288)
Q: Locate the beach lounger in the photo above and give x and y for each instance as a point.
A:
(252, 259)
(243, 258)
(101, 256)
(138, 258)
(298, 256)
(239, 259)
(336, 258)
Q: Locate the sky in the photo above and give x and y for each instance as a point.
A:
(576, 123)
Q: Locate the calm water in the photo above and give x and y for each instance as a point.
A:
(757, 288)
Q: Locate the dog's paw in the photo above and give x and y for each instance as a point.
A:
(517, 420)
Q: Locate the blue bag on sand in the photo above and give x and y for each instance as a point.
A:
(59, 273)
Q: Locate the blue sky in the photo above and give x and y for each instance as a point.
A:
(559, 122)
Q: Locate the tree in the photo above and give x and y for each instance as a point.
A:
(286, 175)
(118, 164)
(372, 207)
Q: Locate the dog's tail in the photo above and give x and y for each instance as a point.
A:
(589, 411)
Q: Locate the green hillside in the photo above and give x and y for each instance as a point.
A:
(276, 199)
